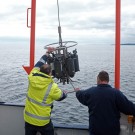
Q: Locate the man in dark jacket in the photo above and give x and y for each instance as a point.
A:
(105, 104)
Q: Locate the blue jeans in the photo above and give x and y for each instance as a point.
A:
(44, 130)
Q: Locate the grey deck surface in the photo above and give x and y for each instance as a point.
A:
(12, 123)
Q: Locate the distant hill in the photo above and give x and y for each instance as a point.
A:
(128, 44)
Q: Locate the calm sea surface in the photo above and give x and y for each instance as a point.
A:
(92, 59)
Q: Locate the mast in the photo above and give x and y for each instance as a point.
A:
(32, 36)
(117, 44)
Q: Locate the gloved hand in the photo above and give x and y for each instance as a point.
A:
(49, 50)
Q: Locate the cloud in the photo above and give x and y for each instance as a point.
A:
(84, 20)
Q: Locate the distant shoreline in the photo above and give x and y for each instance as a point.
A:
(128, 44)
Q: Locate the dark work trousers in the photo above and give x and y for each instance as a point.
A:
(44, 130)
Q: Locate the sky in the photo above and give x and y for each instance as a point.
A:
(83, 21)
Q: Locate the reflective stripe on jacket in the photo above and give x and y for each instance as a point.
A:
(42, 91)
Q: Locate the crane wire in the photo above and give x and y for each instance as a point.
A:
(58, 12)
(60, 42)
(59, 27)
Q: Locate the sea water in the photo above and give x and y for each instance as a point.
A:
(92, 59)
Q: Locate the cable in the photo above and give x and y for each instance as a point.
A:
(59, 27)
(72, 86)
(58, 13)
(71, 83)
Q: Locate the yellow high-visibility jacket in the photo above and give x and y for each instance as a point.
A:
(42, 91)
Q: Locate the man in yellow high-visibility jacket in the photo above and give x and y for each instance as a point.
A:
(42, 91)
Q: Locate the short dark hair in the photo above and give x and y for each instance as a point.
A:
(45, 69)
(103, 76)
